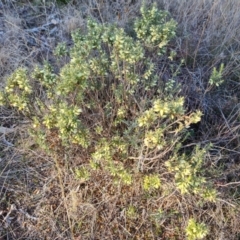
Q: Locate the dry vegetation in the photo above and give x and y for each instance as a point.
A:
(41, 196)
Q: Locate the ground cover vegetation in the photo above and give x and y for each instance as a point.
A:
(119, 120)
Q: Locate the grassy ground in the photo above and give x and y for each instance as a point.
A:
(40, 196)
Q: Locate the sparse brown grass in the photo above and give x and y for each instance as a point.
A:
(40, 196)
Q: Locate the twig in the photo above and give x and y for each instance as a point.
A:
(221, 200)
(227, 184)
(7, 219)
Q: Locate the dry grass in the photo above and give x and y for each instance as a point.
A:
(40, 196)
(209, 29)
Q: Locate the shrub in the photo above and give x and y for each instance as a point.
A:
(105, 98)
(216, 76)
(196, 230)
(108, 102)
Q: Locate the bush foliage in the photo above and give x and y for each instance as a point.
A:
(109, 102)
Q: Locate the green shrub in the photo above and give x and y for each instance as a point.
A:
(196, 230)
(216, 76)
(107, 101)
